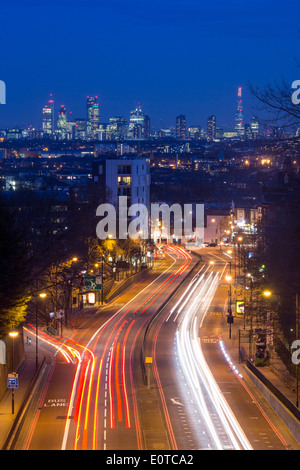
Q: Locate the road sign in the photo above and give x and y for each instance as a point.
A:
(240, 306)
(12, 380)
(93, 282)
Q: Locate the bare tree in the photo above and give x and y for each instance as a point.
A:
(277, 104)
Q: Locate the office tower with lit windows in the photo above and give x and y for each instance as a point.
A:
(117, 128)
(48, 117)
(254, 125)
(211, 128)
(147, 127)
(239, 119)
(92, 116)
(62, 123)
(136, 123)
(181, 127)
(79, 131)
(47, 120)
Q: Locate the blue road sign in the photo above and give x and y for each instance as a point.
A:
(12, 381)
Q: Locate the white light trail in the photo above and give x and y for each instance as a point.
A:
(206, 392)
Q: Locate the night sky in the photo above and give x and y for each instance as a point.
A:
(173, 57)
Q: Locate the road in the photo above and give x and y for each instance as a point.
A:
(92, 395)
(89, 398)
(207, 402)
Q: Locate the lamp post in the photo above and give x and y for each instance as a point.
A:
(240, 239)
(230, 316)
(251, 316)
(13, 335)
(102, 274)
(41, 296)
(269, 337)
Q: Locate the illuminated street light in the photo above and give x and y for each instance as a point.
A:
(230, 316)
(267, 293)
(13, 334)
(41, 295)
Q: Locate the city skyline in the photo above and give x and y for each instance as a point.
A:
(104, 114)
(172, 58)
(58, 123)
(56, 120)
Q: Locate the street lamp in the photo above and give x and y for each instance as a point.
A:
(230, 316)
(240, 239)
(251, 315)
(267, 293)
(13, 335)
(41, 296)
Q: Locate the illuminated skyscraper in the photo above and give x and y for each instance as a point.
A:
(147, 127)
(181, 127)
(136, 123)
(211, 128)
(48, 117)
(118, 127)
(239, 119)
(254, 124)
(47, 120)
(79, 132)
(62, 123)
(92, 116)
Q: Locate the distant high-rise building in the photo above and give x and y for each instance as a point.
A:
(147, 128)
(79, 131)
(254, 125)
(62, 123)
(48, 117)
(117, 127)
(51, 104)
(181, 127)
(92, 116)
(194, 132)
(211, 128)
(239, 119)
(248, 132)
(136, 123)
(47, 120)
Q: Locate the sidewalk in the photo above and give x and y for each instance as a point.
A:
(26, 374)
(275, 373)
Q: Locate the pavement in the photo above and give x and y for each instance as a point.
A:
(26, 373)
(276, 374)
